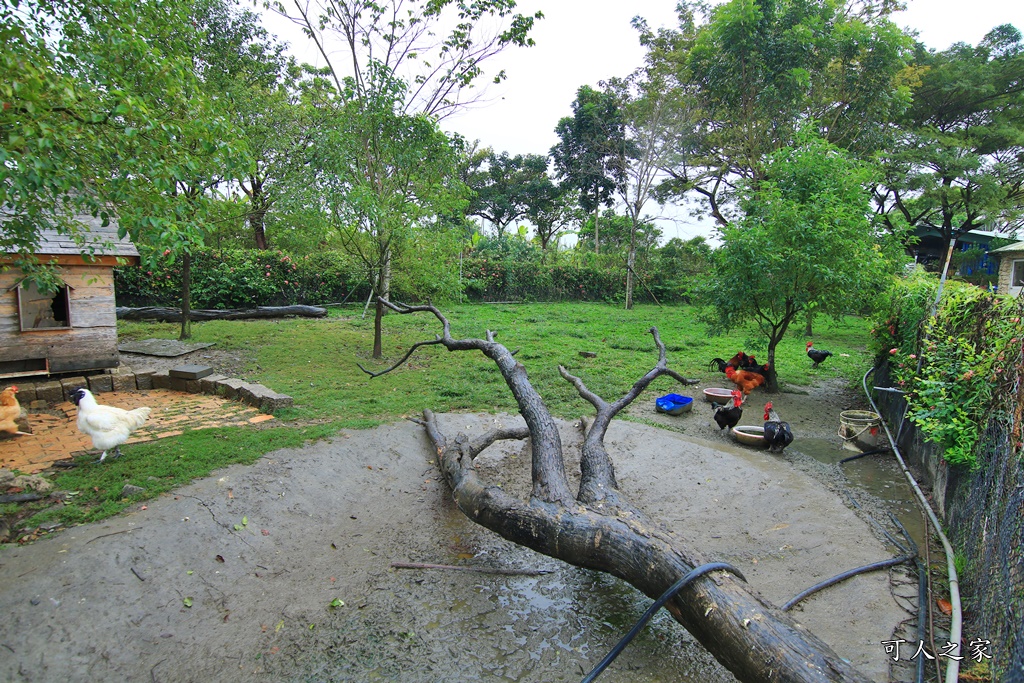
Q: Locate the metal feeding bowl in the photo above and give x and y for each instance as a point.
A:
(749, 435)
(673, 404)
(718, 395)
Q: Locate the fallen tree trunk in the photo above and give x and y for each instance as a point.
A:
(598, 529)
(173, 315)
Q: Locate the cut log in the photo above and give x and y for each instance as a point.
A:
(599, 529)
(173, 315)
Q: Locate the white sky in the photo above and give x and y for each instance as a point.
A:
(585, 41)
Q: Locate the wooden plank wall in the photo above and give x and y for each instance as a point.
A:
(92, 339)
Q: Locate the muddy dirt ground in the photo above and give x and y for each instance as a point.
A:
(281, 571)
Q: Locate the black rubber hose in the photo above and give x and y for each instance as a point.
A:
(882, 564)
(658, 604)
(861, 455)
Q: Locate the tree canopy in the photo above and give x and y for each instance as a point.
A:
(958, 161)
(805, 242)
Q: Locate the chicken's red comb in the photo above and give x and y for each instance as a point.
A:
(810, 343)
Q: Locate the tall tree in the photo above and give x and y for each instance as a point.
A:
(959, 161)
(589, 152)
(436, 50)
(758, 70)
(382, 174)
(805, 243)
(506, 187)
(553, 209)
(654, 118)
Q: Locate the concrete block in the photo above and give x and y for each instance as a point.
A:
(144, 378)
(188, 386)
(208, 384)
(161, 380)
(51, 392)
(69, 384)
(228, 388)
(251, 393)
(123, 381)
(191, 371)
(273, 401)
(100, 383)
(26, 392)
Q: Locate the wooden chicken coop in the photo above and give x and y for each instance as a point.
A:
(75, 328)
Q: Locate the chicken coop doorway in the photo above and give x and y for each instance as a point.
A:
(41, 310)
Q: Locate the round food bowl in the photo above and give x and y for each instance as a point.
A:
(751, 436)
(673, 404)
(718, 395)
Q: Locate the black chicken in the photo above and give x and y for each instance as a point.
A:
(817, 355)
(729, 416)
(777, 434)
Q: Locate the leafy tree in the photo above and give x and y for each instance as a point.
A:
(617, 230)
(419, 60)
(383, 176)
(805, 243)
(553, 209)
(758, 70)
(67, 111)
(654, 117)
(959, 164)
(507, 187)
(589, 152)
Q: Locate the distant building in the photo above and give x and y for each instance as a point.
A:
(75, 328)
(1011, 268)
(931, 247)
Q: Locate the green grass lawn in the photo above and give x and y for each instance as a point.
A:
(314, 361)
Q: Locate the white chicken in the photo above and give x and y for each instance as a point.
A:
(108, 426)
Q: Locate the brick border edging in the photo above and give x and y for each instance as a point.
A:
(123, 379)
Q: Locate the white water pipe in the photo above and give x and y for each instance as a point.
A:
(956, 620)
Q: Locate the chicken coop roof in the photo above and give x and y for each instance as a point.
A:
(1017, 246)
(95, 238)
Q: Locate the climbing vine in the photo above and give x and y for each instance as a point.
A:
(960, 368)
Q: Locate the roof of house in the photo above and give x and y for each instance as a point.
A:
(1017, 246)
(95, 238)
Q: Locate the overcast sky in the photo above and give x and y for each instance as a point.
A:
(585, 41)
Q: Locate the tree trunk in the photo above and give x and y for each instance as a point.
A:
(597, 234)
(630, 262)
(378, 318)
(808, 330)
(186, 296)
(256, 222)
(599, 529)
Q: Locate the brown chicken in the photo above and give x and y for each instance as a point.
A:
(746, 380)
(10, 411)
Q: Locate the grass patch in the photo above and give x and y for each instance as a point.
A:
(314, 361)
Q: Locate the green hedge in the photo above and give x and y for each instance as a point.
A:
(243, 278)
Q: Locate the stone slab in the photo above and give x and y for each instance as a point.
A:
(191, 371)
(167, 348)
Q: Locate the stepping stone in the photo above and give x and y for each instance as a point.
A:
(191, 371)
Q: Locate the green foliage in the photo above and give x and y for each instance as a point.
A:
(759, 71)
(586, 158)
(960, 365)
(243, 278)
(957, 165)
(805, 244)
